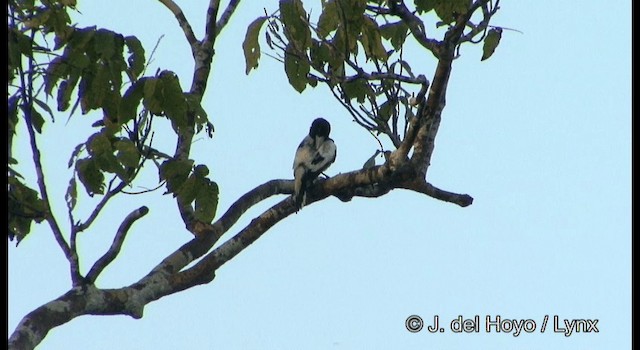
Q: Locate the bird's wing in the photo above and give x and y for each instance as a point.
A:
(304, 153)
(323, 157)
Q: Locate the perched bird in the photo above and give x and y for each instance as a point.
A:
(313, 156)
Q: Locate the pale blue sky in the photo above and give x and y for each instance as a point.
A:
(539, 135)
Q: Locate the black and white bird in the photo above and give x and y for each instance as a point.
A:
(314, 155)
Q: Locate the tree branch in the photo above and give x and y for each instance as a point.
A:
(184, 24)
(424, 142)
(28, 109)
(419, 185)
(226, 15)
(94, 214)
(416, 26)
(113, 251)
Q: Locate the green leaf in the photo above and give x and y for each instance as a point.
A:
(188, 191)
(74, 154)
(447, 10)
(45, 107)
(104, 43)
(372, 41)
(65, 90)
(251, 46)
(352, 10)
(129, 103)
(357, 88)
(175, 172)
(491, 41)
(329, 18)
(36, 120)
(423, 6)
(173, 100)
(56, 69)
(98, 144)
(387, 109)
(297, 70)
(153, 96)
(90, 175)
(72, 194)
(23, 207)
(136, 59)
(128, 154)
(396, 33)
(194, 106)
(206, 201)
(296, 30)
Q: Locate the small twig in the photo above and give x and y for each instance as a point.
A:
(145, 191)
(83, 226)
(113, 251)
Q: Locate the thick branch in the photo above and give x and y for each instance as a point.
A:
(424, 143)
(199, 246)
(113, 251)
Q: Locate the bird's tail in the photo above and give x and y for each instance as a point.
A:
(298, 188)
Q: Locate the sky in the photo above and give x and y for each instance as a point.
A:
(539, 135)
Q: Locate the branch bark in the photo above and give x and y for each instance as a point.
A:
(172, 275)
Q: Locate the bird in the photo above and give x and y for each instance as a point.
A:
(315, 154)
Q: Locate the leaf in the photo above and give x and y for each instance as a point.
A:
(65, 90)
(447, 10)
(74, 154)
(57, 69)
(153, 96)
(129, 103)
(72, 194)
(194, 106)
(23, 207)
(296, 30)
(372, 41)
(371, 162)
(45, 107)
(128, 154)
(36, 120)
(251, 46)
(396, 33)
(175, 172)
(329, 18)
(136, 59)
(104, 43)
(357, 88)
(423, 6)
(491, 42)
(386, 110)
(173, 100)
(296, 69)
(206, 201)
(90, 175)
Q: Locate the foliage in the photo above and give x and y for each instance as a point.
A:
(102, 72)
(356, 48)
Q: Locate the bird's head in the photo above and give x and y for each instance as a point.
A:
(320, 127)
